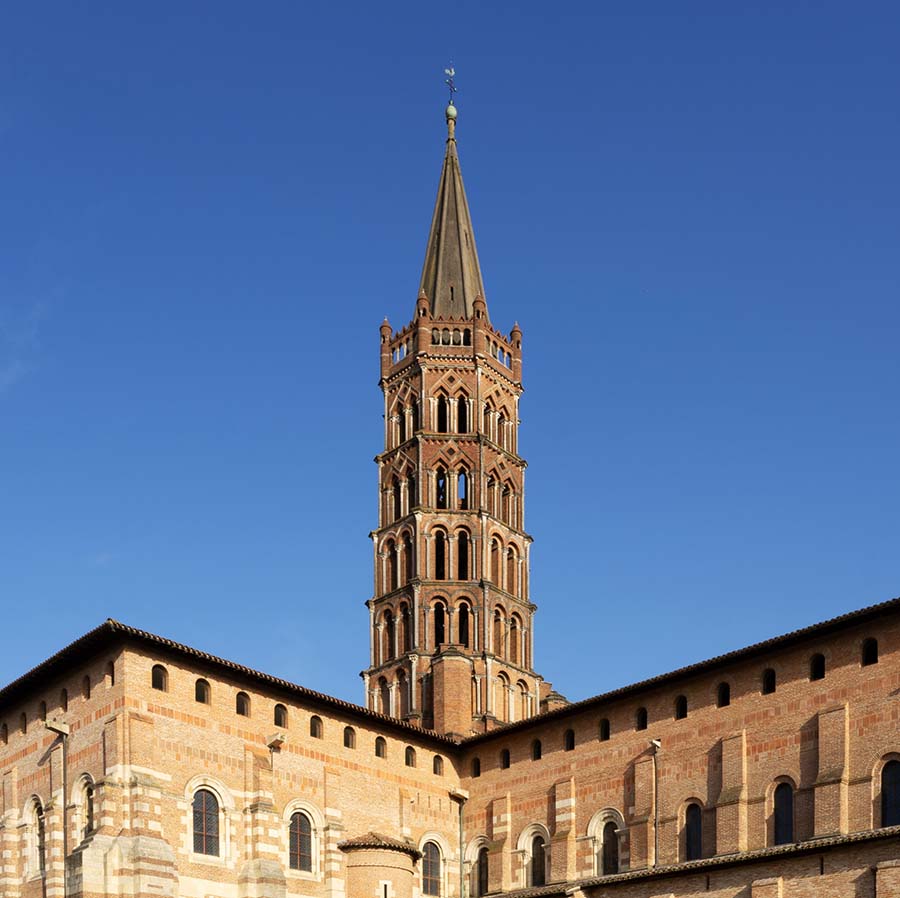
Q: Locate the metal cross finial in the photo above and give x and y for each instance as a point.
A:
(450, 73)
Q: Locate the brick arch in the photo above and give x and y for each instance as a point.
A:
(881, 761)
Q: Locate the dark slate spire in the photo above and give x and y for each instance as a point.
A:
(451, 276)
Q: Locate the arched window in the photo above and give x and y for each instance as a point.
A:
(495, 561)
(315, 727)
(498, 632)
(504, 759)
(476, 767)
(431, 869)
(414, 408)
(723, 695)
(384, 696)
(279, 716)
(408, 558)
(395, 494)
(869, 652)
(206, 823)
(437, 765)
(640, 719)
(769, 681)
(463, 625)
(442, 414)
(440, 489)
(201, 692)
(401, 416)
(536, 750)
(440, 632)
(462, 489)
(440, 555)
(300, 842)
(538, 861)
(380, 747)
(391, 548)
(23, 723)
(817, 667)
(389, 634)
(481, 873)
(609, 856)
(514, 639)
(87, 805)
(783, 813)
(405, 635)
(242, 704)
(42, 711)
(159, 678)
(603, 734)
(4, 734)
(681, 707)
(349, 737)
(890, 794)
(86, 686)
(512, 564)
(64, 700)
(521, 700)
(693, 832)
(569, 740)
(39, 839)
(462, 413)
(409, 756)
(412, 490)
(462, 552)
(110, 674)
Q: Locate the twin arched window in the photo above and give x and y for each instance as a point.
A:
(300, 843)
(206, 823)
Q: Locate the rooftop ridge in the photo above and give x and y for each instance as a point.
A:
(110, 628)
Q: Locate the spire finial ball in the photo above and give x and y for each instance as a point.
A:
(450, 112)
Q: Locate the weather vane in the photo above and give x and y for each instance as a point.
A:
(450, 73)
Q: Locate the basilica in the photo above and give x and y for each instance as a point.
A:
(133, 765)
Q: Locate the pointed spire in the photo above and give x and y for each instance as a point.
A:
(451, 276)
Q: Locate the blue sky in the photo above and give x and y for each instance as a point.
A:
(208, 209)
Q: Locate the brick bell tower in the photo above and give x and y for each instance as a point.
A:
(451, 622)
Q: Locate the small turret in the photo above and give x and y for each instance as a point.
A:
(386, 332)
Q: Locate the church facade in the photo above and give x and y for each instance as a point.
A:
(133, 765)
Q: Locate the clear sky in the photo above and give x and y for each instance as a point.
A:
(208, 209)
